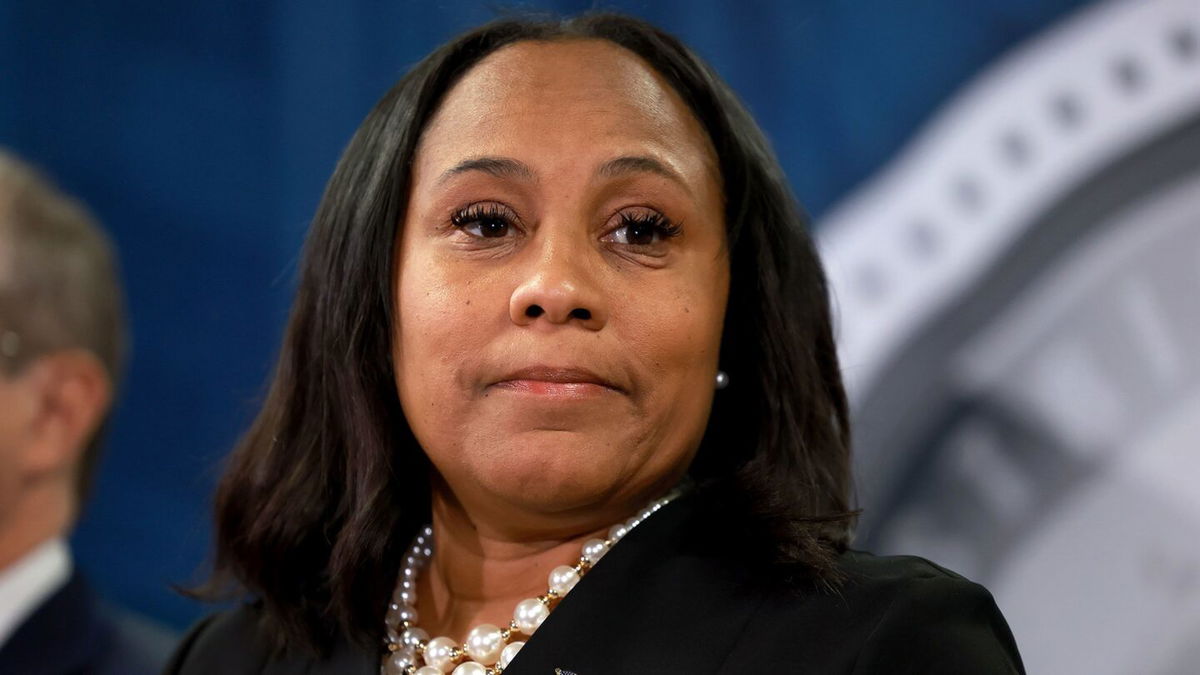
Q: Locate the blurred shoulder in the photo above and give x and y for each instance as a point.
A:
(928, 618)
(236, 642)
(231, 642)
(868, 574)
(895, 614)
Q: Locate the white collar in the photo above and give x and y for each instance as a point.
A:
(28, 582)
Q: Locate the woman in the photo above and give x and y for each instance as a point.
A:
(543, 256)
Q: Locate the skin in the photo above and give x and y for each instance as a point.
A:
(532, 456)
(48, 412)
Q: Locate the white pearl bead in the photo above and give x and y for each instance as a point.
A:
(529, 614)
(563, 579)
(404, 597)
(398, 614)
(632, 523)
(397, 662)
(484, 643)
(428, 670)
(439, 653)
(509, 653)
(594, 550)
(617, 531)
(470, 668)
(413, 637)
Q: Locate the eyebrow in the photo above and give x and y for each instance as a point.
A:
(504, 167)
(622, 166)
(500, 167)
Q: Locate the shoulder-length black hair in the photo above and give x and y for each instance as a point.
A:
(327, 487)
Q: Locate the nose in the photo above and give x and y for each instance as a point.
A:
(558, 290)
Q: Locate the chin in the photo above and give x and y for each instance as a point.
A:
(555, 470)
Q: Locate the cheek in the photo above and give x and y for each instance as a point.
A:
(447, 317)
(431, 337)
(433, 312)
(427, 303)
(15, 415)
(678, 331)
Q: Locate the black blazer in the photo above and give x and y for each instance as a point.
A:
(70, 634)
(675, 597)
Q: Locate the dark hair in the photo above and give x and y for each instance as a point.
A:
(328, 486)
(60, 287)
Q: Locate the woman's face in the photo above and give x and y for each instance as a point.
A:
(561, 281)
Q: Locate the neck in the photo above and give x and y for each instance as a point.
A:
(478, 574)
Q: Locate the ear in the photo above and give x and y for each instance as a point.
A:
(73, 392)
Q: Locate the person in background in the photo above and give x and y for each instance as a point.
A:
(62, 342)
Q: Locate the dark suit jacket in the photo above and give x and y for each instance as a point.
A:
(675, 597)
(69, 634)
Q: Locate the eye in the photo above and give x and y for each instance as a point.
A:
(642, 227)
(488, 221)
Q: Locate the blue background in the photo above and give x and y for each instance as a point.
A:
(202, 134)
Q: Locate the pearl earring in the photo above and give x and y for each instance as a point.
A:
(722, 379)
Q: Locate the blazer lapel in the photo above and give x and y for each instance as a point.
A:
(653, 604)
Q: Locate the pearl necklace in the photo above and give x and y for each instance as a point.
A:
(487, 650)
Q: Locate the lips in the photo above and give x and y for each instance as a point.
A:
(552, 379)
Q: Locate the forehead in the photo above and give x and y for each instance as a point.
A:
(573, 98)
